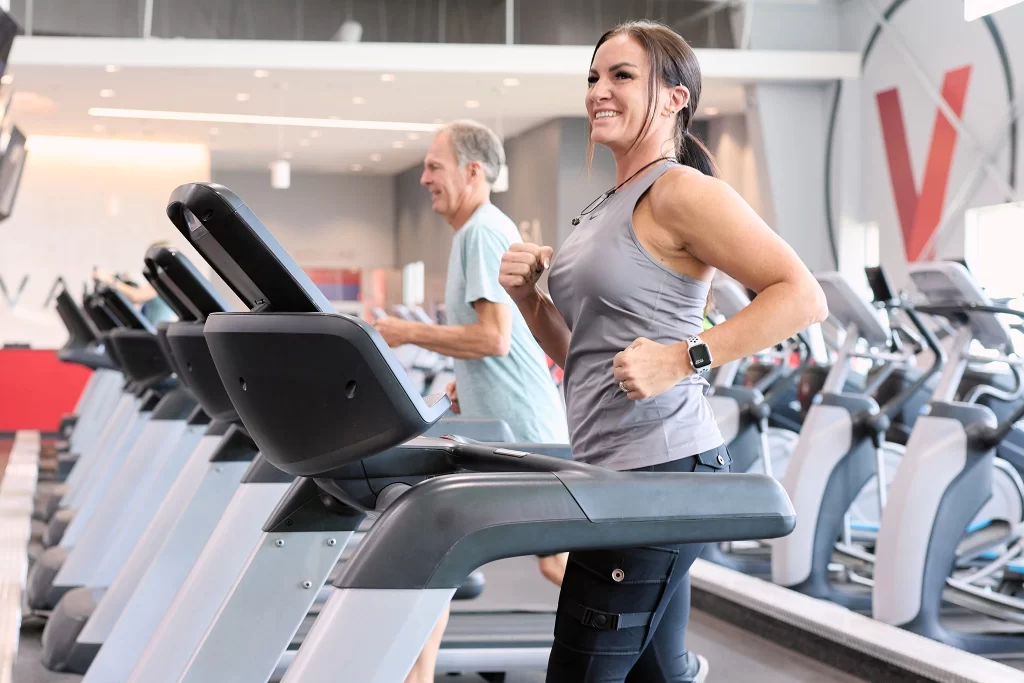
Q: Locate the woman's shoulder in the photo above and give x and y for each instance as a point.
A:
(683, 193)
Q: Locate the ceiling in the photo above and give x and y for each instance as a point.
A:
(56, 99)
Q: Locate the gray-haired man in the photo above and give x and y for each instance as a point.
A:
(500, 370)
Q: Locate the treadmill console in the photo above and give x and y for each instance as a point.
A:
(242, 251)
(177, 275)
(879, 283)
(949, 282)
(849, 307)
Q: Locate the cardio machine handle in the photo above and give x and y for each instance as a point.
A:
(893, 405)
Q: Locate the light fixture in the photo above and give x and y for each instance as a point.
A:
(357, 168)
(472, 104)
(711, 111)
(314, 133)
(358, 100)
(439, 122)
(413, 136)
(510, 82)
(280, 174)
(398, 144)
(155, 115)
(288, 155)
(304, 142)
(375, 157)
(7, 79)
(98, 128)
(106, 92)
(387, 78)
(111, 68)
(333, 118)
(260, 73)
(242, 97)
(215, 131)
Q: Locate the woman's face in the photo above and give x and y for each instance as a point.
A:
(617, 96)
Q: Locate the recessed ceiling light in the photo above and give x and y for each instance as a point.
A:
(106, 92)
(357, 168)
(111, 68)
(215, 131)
(510, 82)
(413, 136)
(304, 142)
(7, 79)
(375, 157)
(358, 100)
(242, 97)
(398, 144)
(98, 128)
(260, 73)
(387, 78)
(472, 104)
(314, 133)
(711, 111)
(287, 155)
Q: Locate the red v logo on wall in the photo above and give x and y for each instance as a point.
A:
(920, 213)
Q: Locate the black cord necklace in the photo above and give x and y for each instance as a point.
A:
(594, 205)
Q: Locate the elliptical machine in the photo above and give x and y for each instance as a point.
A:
(842, 446)
(945, 480)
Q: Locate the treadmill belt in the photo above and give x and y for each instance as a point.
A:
(467, 630)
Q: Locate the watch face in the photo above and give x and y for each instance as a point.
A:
(700, 356)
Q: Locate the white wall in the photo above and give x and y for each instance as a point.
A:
(935, 34)
(324, 220)
(85, 202)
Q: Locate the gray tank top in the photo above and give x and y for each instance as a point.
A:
(610, 290)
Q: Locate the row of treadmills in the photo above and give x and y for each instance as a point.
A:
(265, 495)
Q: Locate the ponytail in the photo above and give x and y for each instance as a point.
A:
(690, 151)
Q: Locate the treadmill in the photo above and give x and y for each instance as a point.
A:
(360, 390)
(347, 448)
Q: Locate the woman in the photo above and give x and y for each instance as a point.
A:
(625, 322)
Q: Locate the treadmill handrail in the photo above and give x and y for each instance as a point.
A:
(439, 531)
(896, 403)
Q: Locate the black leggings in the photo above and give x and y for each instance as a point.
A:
(622, 614)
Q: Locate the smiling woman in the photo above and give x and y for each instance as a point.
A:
(625, 321)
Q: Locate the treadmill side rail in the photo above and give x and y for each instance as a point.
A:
(426, 539)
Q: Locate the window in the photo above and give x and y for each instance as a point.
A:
(993, 243)
(858, 249)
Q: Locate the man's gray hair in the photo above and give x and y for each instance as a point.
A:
(472, 141)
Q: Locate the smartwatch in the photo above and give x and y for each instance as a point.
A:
(700, 355)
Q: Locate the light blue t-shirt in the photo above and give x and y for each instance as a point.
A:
(517, 388)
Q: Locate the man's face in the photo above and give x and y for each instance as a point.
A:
(448, 184)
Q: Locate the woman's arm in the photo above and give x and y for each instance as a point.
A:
(717, 227)
(521, 267)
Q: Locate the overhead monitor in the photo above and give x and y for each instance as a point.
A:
(12, 165)
(9, 28)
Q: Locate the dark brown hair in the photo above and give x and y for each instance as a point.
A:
(672, 62)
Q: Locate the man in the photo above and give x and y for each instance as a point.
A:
(500, 370)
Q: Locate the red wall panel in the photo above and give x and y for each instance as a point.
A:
(36, 389)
